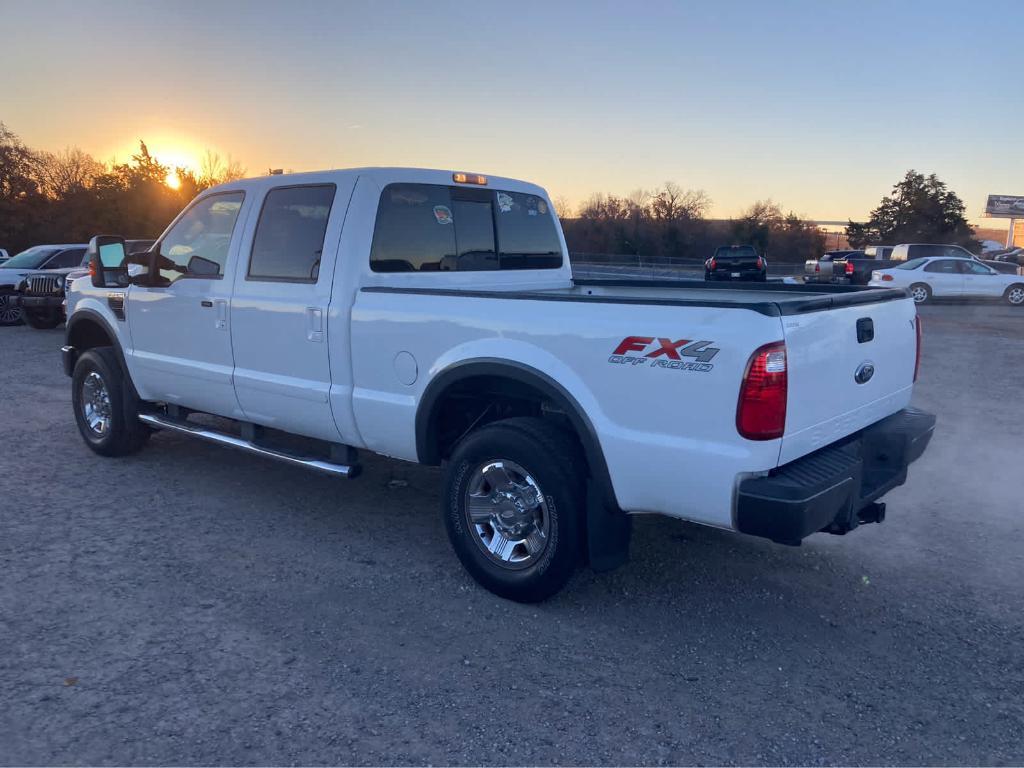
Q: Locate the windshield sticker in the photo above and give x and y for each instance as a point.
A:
(504, 202)
(443, 214)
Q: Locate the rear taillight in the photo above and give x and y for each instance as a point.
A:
(887, 278)
(712, 264)
(917, 353)
(92, 268)
(849, 268)
(761, 411)
(817, 267)
(760, 263)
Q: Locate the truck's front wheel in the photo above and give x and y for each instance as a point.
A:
(106, 408)
(514, 507)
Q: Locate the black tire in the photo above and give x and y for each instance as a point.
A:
(9, 315)
(40, 320)
(123, 433)
(917, 288)
(1014, 295)
(553, 458)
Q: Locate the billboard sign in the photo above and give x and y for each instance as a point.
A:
(1005, 206)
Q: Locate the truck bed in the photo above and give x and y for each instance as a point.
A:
(771, 298)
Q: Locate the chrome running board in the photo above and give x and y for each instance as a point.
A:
(220, 438)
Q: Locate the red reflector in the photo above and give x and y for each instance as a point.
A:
(917, 354)
(887, 278)
(761, 411)
(849, 268)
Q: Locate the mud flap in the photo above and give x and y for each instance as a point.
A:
(609, 531)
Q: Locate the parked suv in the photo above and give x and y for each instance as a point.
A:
(433, 317)
(41, 295)
(41, 257)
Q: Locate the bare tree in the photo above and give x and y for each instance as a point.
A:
(563, 209)
(672, 202)
(213, 170)
(61, 173)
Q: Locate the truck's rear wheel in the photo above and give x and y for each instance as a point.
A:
(514, 507)
(106, 409)
(40, 320)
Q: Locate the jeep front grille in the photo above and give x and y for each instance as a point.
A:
(42, 285)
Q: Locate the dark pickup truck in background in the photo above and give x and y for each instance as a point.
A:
(736, 262)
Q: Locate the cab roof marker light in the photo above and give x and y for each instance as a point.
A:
(461, 177)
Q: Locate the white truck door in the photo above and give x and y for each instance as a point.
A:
(280, 305)
(180, 338)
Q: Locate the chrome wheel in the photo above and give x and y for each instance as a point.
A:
(9, 314)
(1015, 295)
(919, 294)
(508, 513)
(96, 403)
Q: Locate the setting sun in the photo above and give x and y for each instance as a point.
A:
(172, 180)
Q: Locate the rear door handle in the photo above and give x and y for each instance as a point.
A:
(222, 314)
(206, 303)
(314, 324)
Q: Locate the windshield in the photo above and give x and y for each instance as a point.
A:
(912, 264)
(30, 259)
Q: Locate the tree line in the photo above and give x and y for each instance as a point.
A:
(671, 223)
(69, 196)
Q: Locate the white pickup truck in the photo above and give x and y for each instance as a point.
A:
(432, 316)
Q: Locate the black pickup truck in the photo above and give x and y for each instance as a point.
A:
(736, 262)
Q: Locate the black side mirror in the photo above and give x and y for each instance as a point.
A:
(106, 260)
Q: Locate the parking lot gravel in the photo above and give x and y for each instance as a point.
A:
(194, 605)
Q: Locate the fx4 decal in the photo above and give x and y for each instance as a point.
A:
(665, 353)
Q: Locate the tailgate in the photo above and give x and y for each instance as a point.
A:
(841, 381)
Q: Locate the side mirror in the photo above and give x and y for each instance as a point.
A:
(106, 260)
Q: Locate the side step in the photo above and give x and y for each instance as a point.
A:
(220, 438)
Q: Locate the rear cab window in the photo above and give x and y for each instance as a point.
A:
(439, 228)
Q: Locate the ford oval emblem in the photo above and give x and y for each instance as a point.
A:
(864, 373)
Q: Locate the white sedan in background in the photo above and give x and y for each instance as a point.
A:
(950, 278)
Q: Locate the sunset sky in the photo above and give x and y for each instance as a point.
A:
(820, 106)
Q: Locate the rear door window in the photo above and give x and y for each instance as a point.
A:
(943, 266)
(289, 237)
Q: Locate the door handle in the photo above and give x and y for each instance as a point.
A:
(222, 314)
(314, 324)
(206, 303)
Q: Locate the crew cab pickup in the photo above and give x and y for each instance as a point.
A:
(432, 317)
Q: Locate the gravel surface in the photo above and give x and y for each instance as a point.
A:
(194, 605)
